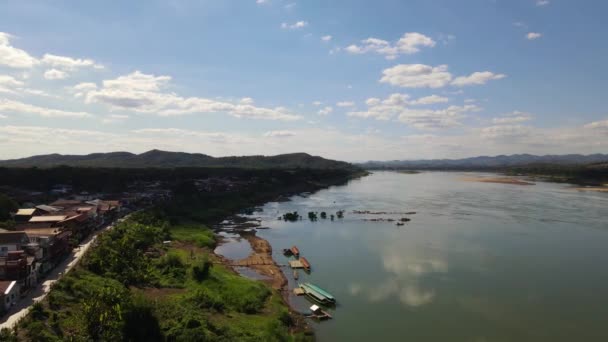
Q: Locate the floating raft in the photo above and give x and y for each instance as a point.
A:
(296, 264)
(318, 313)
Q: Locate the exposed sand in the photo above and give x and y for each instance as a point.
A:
(500, 180)
(598, 189)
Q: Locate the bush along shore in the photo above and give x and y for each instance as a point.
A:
(154, 277)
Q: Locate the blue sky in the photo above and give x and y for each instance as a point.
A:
(353, 80)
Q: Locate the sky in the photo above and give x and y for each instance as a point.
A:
(352, 80)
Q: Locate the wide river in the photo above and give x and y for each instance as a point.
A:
(477, 262)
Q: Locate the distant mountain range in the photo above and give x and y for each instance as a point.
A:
(164, 159)
(485, 162)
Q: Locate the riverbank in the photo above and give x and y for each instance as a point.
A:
(169, 280)
(499, 180)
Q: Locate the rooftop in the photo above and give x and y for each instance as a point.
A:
(12, 238)
(48, 218)
(26, 212)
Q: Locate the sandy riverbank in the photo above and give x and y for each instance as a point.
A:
(500, 180)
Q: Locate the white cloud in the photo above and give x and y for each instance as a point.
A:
(54, 74)
(513, 118)
(396, 107)
(477, 78)
(317, 103)
(505, 131)
(68, 63)
(326, 38)
(598, 125)
(345, 104)
(145, 93)
(326, 111)
(541, 3)
(246, 101)
(19, 107)
(520, 24)
(13, 57)
(114, 118)
(2, 116)
(533, 35)
(408, 44)
(297, 25)
(8, 84)
(279, 134)
(262, 2)
(417, 76)
(428, 100)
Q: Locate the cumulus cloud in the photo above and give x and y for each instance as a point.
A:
(279, 134)
(145, 93)
(24, 108)
(513, 118)
(317, 103)
(8, 84)
(326, 38)
(397, 107)
(325, 111)
(345, 104)
(505, 131)
(408, 44)
(533, 35)
(417, 76)
(477, 78)
(295, 26)
(598, 125)
(54, 74)
(68, 63)
(428, 100)
(541, 3)
(13, 57)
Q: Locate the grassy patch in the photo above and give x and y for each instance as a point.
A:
(197, 234)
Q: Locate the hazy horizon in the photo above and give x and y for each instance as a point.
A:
(416, 80)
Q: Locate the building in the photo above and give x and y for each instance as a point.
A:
(24, 215)
(12, 241)
(9, 294)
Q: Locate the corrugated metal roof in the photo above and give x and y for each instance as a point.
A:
(26, 212)
(47, 208)
(47, 218)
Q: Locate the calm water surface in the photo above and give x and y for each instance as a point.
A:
(478, 261)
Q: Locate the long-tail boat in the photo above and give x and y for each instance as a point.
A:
(317, 294)
(295, 251)
(305, 263)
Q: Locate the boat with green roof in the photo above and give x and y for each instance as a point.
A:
(317, 294)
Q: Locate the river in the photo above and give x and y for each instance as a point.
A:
(477, 262)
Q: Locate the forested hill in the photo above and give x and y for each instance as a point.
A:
(163, 159)
(486, 162)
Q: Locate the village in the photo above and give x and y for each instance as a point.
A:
(43, 235)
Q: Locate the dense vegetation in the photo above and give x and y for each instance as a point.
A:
(163, 159)
(118, 179)
(7, 206)
(132, 287)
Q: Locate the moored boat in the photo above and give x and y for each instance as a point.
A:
(321, 291)
(287, 252)
(318, 313)
(320, 297)
(295, 251)
(305, 263)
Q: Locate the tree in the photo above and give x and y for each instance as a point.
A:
(7, 206)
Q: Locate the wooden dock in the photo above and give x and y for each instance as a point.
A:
(296, 264)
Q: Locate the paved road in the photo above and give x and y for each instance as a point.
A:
(22, 307)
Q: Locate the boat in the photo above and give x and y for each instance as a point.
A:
(295, 274)
(287, 252)
(305, 263)
(318, 313)
(313, 292)
(295, 251)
